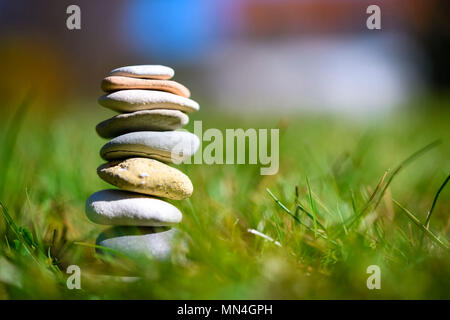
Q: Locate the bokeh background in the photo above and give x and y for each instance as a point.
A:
(314, 55)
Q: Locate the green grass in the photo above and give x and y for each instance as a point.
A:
(348, 194)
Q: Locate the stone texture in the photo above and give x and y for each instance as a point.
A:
(115, 83)
(168, 146)
(144, 242)
(136, 99)
(116, 207)
(145, 120)
(147, 176)
(144, 71)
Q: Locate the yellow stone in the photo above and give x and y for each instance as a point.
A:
(147, 176)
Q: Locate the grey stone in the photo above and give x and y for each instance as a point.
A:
(168, 146)
(145, 120)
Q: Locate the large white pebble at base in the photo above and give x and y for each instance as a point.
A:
(150, 243)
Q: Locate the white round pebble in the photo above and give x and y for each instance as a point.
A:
(168, 146)
(135, 100)
(152, 243)
(117, 207)
(144, 71)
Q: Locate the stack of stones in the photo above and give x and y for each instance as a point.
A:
(143, 139)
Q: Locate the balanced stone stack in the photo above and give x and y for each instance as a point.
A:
(144, 138)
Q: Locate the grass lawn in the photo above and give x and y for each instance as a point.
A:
(341, 201)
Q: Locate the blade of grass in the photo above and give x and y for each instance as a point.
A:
(313, 207)
(421, 226)
(404, 163)
(321, 204)
(10, 139)
(352, 194)
(369, 201)
(296, 200)
(7, 243)
(95, 246)
(10, 221)
(262, 235)
(427, 220)
(394, 173)
(25, 237)
(294, 217)
(194, 214)
(309, 215)
(342, 218)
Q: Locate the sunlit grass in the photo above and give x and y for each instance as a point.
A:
(331, 207)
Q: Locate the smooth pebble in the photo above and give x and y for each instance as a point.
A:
(115, 83)
(117, 207)
(143, 242)
(147, 176)
(144, 71)
(136, 99)
(168, 146)
(145, 120)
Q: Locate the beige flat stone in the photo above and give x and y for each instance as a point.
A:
(114, 83)
(144, 120)
(147, 176)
